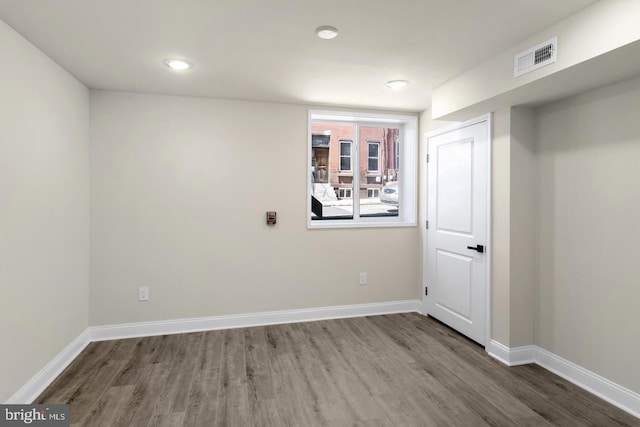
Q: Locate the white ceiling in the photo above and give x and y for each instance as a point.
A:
(267, 50)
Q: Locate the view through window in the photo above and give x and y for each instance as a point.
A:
(354, 170)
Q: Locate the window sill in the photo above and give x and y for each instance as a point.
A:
(337, 223)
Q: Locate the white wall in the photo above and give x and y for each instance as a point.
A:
(589, 275)
(523, 222)
(501, 226)
(44, 210)
(180, 187)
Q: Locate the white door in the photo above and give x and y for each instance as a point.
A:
(456, 240)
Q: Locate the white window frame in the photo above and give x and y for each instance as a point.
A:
(369, 144)
(373, 193)
(340, 155)
(408, 179)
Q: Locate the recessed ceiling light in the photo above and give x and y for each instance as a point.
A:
(177, 64)
(327, 32)
(397, 84)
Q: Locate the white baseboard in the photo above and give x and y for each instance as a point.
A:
(31, 390)
(178, 326)
(613, 393)
(511, 356)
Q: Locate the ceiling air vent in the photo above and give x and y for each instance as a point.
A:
(536, 57)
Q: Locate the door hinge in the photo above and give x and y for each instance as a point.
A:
(426, 291)
(427, 225)
(427, 158)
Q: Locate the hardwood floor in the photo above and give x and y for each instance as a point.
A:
(394, 370)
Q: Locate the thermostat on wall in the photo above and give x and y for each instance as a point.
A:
(271, 218)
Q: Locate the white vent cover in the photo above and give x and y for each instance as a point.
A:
(536, 57)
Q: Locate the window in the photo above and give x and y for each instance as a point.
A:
(354, 170)
(344, 193)
(373, 155)
(345, 156)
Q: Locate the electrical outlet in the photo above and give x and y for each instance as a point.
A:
(143, 294)
(363, 278)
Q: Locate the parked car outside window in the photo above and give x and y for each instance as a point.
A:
(389, 193)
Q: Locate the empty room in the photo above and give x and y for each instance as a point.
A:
(340, 213)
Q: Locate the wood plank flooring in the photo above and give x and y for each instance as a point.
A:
(394, 370)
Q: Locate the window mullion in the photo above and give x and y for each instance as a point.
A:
(355, 196)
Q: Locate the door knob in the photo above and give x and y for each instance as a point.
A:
(478, 248)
